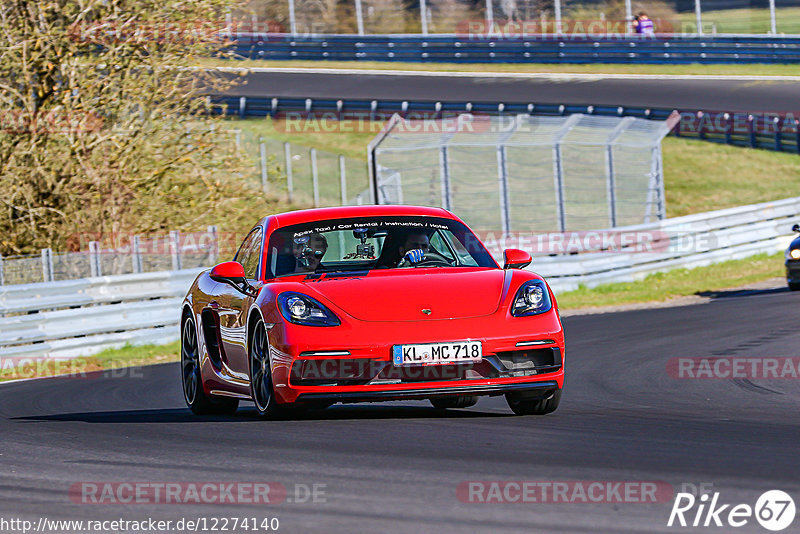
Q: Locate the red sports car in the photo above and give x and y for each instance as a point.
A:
(369, 303)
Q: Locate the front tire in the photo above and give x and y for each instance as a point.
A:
(533, 406)
(193, 393)
(444, 403)
(261, 388)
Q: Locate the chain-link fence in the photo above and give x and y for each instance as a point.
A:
(305, 175)
(115, 254)
(526, 173)
(519, 18)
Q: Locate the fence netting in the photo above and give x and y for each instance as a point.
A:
(526, 173)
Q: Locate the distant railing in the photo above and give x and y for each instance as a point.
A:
(771, 131)
(585, 48)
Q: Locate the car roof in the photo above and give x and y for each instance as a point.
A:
(372, 210)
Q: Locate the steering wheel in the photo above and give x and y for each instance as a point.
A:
(431, 259)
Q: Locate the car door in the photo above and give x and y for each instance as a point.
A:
(233, 305)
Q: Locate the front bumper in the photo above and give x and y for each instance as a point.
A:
(792, 271)
(359, 353)
(543, 389)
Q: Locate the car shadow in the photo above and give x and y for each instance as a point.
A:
(249, 414)
(729, 293)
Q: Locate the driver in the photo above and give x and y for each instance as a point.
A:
(414, 248)
(308, 252)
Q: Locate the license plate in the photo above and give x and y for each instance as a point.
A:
(437, 353)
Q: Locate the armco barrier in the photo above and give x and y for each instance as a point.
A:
(584, 48)
(81, 317)
(767, 131)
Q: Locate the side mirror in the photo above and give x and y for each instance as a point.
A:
(796, 228)
(230, 272)
(516, 259)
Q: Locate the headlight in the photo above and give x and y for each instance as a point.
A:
(531, 299)
(795, 254)
(302, 309)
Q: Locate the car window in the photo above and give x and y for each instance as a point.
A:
(249, 254)
(366, 243)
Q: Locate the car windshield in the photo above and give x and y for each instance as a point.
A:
(366, 243)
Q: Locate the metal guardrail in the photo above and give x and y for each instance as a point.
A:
(680, 242)
(515, 49)
(763, 130)
(81, 317)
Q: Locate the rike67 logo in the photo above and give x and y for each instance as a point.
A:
(774, 510)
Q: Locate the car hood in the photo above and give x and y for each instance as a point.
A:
(402, 296)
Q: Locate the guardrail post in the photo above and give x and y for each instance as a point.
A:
(489, 16)
(502, 176)
(343, 180)
(628, 18)
(136, 255)
(777, 122)
(698, 14)
(359, 18)
(444, 178)
(263, 154)
(773, 26)
(174, 246)
(557, 6)
(728, 128)
(662, 198)
(213, 250)
(292, 20)
(287, 153)
(2, 279)
(752, 131)
(94, 259)
(423, 15)
(47, 265)
(242, 106)
(612, 188)
(797, 135)
(315, 176)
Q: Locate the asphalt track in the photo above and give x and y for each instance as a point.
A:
(395, 467)
(753, 94)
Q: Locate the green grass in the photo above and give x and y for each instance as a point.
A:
(588, 68)
(128, 356)
(702, 176)
(677, 283)
(748, 20)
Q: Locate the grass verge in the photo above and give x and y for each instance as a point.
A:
(676, 283)
(693, 69)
